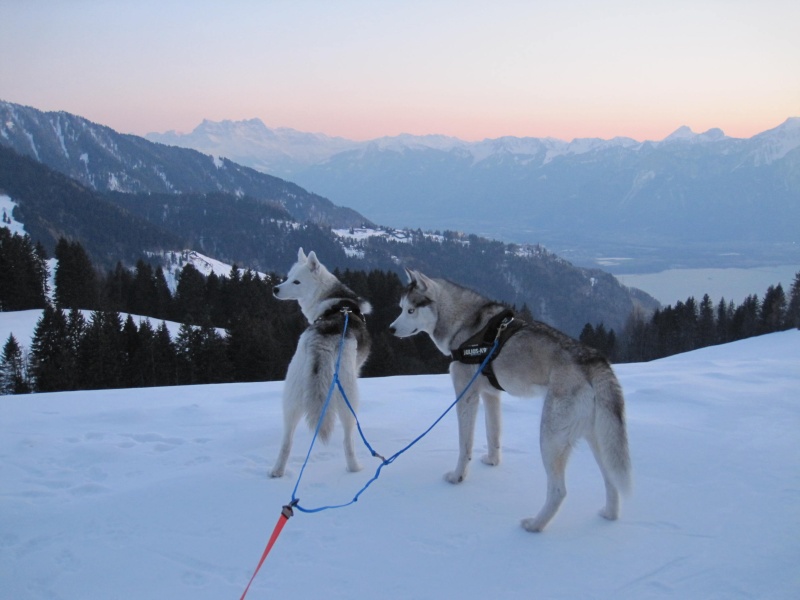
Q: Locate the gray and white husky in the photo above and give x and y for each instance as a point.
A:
(583, 398)
(324, 301)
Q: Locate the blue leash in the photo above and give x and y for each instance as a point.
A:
(386, 461)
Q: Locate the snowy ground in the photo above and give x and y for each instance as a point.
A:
(163, 493)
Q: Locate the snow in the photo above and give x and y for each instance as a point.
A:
(7, 206)
(175, 261)
(778, 142)
(113, 183)
(164, 493)
(685, 134)
(360, 234)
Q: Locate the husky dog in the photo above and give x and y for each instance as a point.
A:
(324, 301)
(582, 395)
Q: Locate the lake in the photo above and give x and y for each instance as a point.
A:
(673, 285)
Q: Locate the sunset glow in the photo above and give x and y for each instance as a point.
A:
(363, 70)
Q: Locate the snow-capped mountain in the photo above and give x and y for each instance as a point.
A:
(691, 198)
(284, 151)
(276, 151)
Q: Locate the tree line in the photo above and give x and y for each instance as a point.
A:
(232, 328)
(691, 325)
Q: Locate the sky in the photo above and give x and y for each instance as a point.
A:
(363, 69)
(164, 493)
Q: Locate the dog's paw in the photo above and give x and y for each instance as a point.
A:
(453, 477)
(275, 473)
(354, 468)
(532, 525)
(491, 460)
(609, 513)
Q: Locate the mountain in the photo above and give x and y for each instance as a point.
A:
(50, 205)
(277, 151)
(103, 160)
(692, 198)
(264, 235)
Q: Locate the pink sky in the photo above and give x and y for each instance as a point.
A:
(365, 69)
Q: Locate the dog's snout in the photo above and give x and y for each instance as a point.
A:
(276, 290)
(392, 330)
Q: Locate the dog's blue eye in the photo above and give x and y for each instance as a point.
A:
(411, 311)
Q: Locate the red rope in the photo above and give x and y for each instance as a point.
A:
(286, 512)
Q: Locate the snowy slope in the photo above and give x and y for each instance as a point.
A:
(163, 493)
(6, 219)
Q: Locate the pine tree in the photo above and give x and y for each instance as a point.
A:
(23, 273)
(686, 325)
(76, 327)
(600, 339)
(117, 289)
(638, 336)
(725, 321)
(50, 352)
(706, 325)
(587, 335)
(163, 297)
(164, 357)
(75, 278)
(142, 298)
(101, 353)
(190, 302)
(251, 349)
(132, 371)
(211, 357)
(793, 309)
(773, 310)
(745, 322)
(13, 369)
(143, 362)
(186, 345)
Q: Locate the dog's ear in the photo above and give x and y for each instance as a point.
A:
(422, 282)
(410, 275)
(301, 256)
(313, 261)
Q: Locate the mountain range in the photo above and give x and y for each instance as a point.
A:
(106, 161)
(691, 199)
(124, 197)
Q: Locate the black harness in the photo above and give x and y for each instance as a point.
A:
(331, 322)
(343, 306)
(474, 351)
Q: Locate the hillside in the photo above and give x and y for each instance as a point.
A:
(50, 205)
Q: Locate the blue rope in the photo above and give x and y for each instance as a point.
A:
(386, 461)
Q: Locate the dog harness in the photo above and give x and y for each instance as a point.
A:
(473, 352)
(341, 307)
(331, 322)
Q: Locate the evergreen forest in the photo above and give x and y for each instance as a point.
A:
(233, 329)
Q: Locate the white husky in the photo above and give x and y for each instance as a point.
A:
(324, 301)
(583, 397)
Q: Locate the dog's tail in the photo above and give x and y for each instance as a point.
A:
(317, 392)
(609, 427)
